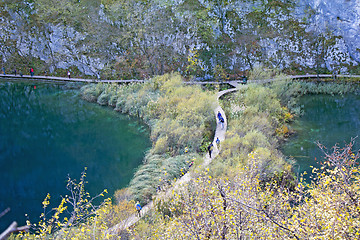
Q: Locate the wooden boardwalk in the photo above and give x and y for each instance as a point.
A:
(64, 79)
(231, 82)
(219, 132)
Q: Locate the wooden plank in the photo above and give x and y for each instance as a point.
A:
(231, 82)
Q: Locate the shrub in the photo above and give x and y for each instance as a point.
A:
(90, 93)
(253, 139)
(241, 205)
(262, 99)
(158, 170)
(161, 145)
(103, 99)
(254, 128)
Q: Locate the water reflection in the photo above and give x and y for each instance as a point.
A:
(48, 132)
(328, 119)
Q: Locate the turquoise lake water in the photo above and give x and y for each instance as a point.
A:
(326, 119)
(48, 133)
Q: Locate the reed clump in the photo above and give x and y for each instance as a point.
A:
(180, 118)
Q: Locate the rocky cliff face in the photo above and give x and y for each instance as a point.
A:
(341, 16)
(138, 40)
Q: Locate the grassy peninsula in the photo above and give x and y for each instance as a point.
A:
(248, 191)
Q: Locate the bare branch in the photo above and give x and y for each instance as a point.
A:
(11, 229)
(267, 215)
(4, 212)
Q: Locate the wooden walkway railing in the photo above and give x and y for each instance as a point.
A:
(65, 79)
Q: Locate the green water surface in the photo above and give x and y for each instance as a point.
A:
(326, 119)
(47, 133)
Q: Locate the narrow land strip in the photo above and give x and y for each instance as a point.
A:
(219, 133)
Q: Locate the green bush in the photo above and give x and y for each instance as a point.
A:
(103, 99)
(252, 140)
(91, 92)
(262, 99)
(258, 120)
(259, 73)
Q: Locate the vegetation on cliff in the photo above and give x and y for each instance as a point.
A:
(140, 39)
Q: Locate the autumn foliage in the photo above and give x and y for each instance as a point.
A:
(239, 206)
(248, 192)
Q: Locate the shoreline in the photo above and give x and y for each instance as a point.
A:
(233, 82)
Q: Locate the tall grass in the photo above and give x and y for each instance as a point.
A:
(289, 91)
(180, 117)
(158, 171)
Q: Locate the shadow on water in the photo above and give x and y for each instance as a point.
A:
(326, 119)
(47, 133)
